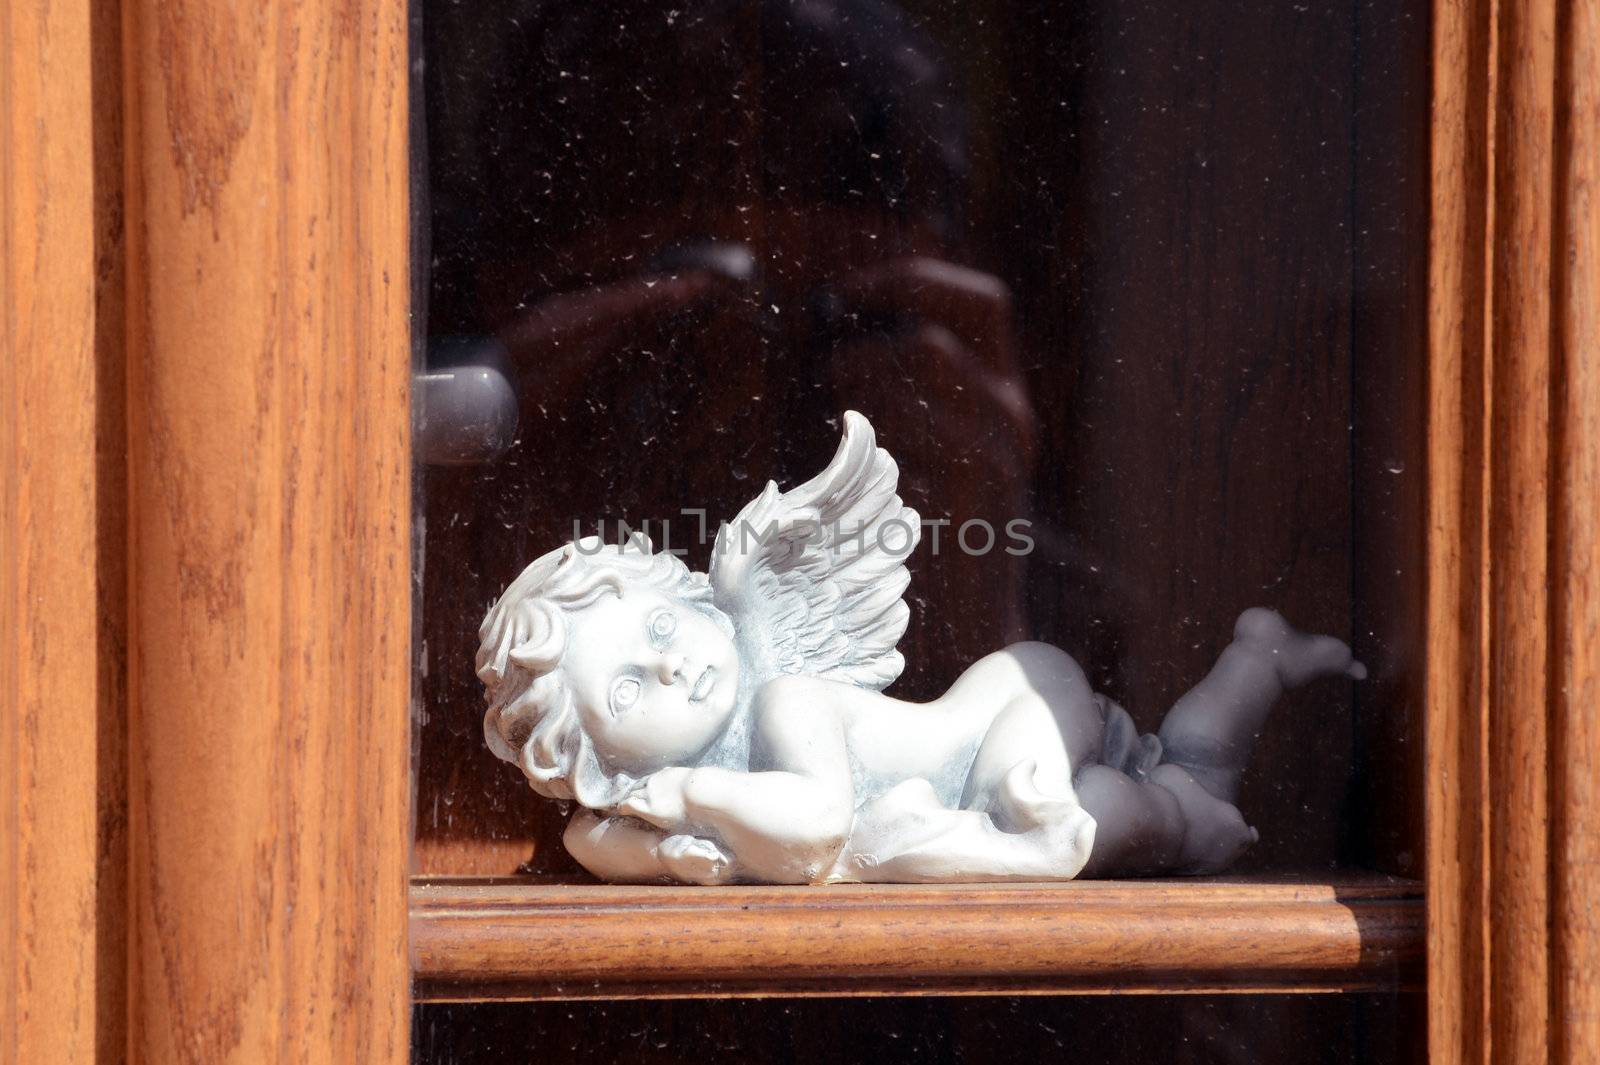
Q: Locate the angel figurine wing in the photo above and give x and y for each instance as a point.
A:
(813, 577)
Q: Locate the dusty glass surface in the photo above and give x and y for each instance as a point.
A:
(1145, 277)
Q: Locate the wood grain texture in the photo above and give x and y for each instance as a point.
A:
(1513, 580)
(268, 411)
(1518, 575)
(1456, 757)
(60, 541)
(111, 514)
(1575, 542)
(506, 939)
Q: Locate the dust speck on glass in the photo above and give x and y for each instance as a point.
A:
(1130, 289)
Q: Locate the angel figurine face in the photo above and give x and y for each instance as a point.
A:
(654, 679)
(605, 663)
(733, 726)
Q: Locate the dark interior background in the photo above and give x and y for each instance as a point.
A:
(1169, 1030)
(1148, 274)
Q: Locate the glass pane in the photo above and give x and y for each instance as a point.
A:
(1132, 290)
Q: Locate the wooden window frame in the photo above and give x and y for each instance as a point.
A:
(1513, 699)
(204, 514)
(204, 558)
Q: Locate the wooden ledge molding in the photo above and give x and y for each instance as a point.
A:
(480, 940)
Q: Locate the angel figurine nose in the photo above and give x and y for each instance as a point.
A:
(769, 752)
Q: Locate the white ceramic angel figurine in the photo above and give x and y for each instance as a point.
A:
(733, 728)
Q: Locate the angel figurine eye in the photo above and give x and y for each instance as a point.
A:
(624, 693)
(663, 623)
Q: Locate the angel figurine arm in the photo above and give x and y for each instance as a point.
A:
(780, 825)
(625, 850)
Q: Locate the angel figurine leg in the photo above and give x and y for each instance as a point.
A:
(1062, 785)
(1212, 729)
(1206, 742)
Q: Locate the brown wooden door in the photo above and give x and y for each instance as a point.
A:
(205, 736)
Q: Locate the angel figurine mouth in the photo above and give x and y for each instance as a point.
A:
(703, 685)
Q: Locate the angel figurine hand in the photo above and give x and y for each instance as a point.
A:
(733, 726)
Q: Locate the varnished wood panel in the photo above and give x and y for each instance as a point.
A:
(61, 538)
(1513, 580)
(1456, 773)
(268, 374)
(526, 940)
(111, 517)
(1518, 382)
(1575, 541)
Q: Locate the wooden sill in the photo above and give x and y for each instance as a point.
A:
(500, 939)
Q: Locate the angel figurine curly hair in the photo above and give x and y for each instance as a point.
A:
(733, 727)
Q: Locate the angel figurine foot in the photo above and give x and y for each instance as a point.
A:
(732, 726)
